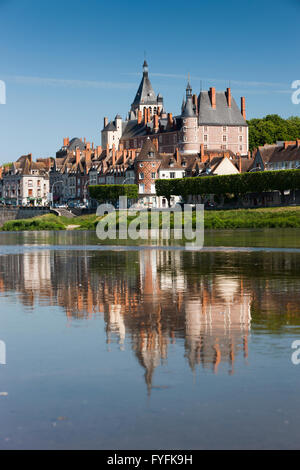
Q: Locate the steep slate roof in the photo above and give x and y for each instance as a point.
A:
(148, 148)
(145, 93)
(222, 115)
(188, 110)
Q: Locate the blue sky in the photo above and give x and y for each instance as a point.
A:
(67, 64)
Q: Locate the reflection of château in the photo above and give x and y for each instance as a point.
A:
(151, 298)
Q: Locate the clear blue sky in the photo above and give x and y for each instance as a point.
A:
(69, 63)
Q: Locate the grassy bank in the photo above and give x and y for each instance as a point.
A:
(240, 218)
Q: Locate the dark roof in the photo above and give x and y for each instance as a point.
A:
(76, 143)
(289, 154)
(188, 110)
(148, 152)
(110, 126)
(145, 93)
(222, 115)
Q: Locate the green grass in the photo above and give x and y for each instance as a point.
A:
(281, 217)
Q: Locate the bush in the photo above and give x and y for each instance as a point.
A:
(239, 185)
(111, 192)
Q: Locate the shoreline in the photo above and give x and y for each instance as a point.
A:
(276, 217)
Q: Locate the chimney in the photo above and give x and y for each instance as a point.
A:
(107, 150)
(145, 116)
(155, 142)
(178, 157)
(114, 155)
(297, 143)
(140, 117)
(195, 103)
(124, 157)
(149, 115)
(88, 145)
(243, 107)
(202, 153)
(66, 141)
(228, 94)
(156, 127)
(105, 121)
(212, 93)
(29, 156)
(170, 119)
(84, 140)
(88, 157)
(98, 150)
(1, 171)
(77, 155)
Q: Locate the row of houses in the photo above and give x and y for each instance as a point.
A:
(79, 164)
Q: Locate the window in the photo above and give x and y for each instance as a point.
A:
(153, 176)
(224, 128)
(153, 189)
(172, 174)
(29, 183)
(141, 176)
(205, 138)
(30, 192)
(241, 148)
(241, 138)
(205, 128)
(141, 188)
(223, 147)
(224, 138)
(205, 147)
(184, 129)
(241, 129)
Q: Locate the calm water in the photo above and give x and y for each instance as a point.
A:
(132, 348)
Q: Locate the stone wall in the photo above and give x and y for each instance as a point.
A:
(15, 213)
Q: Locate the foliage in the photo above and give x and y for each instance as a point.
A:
(111, 192)
(239, 184)
(272, 128)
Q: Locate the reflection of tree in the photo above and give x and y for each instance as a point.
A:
(151, 298)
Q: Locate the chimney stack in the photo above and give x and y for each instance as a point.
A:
(228, 94)
(155, 126)
(195, 103)
(107, 150)
(149, 115)
(77, 155)
(243, 107)
(170, 119)
(178, 157)
(98, 150)
(105, 121)
(140, 117)
(212, 93)
(66, 141)
(155, 142)
(145, 116)
(114, 155)
(202, 153)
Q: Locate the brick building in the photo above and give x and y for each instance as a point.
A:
(212, 118)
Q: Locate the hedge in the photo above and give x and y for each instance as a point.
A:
(111, 192)
(240, 184)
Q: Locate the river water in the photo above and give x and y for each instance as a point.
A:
(149, 347)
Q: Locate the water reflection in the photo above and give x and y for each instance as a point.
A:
(151, 299)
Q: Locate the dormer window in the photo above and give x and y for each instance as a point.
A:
(151, 154)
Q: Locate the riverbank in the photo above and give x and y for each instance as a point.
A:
(278, 217)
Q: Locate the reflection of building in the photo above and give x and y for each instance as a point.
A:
(148, 299)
